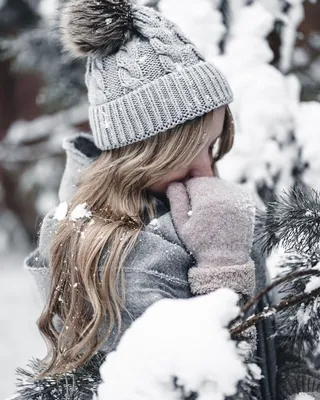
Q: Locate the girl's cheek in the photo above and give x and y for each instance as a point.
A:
(176, 176)
(179, 177)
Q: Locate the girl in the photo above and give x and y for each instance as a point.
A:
(160, 121)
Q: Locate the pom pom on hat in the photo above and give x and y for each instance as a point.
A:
(95, 27)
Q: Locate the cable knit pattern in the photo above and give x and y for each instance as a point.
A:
(130, 73)
(154, 82)
(99, 93)
(166, 40)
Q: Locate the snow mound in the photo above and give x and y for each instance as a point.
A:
(177, 347)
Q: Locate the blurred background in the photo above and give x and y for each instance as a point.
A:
(268, 49)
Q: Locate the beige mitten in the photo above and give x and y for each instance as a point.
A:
(215, 221)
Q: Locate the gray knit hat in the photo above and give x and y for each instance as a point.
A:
(143, 75)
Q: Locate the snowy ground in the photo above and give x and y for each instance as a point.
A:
(19, 309)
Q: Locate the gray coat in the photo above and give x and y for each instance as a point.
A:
(158, 268)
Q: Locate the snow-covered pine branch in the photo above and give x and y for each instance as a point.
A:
(292, 223)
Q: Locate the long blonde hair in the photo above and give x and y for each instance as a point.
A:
(114, 188)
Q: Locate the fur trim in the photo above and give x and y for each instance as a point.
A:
(95, 27)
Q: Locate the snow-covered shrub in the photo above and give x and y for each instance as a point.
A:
(272, 126)
(178, 348)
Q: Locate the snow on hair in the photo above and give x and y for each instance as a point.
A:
(96, 27)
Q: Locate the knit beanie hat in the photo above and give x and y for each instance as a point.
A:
(143, 75)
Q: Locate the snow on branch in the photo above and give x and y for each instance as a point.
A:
(23, 132)
(291, 19)
(42, 137)
(201, 20)
(272, 126)
(293, 223)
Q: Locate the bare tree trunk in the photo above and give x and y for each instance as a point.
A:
(22, 208)
(7, 105)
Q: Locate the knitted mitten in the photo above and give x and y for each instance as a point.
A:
(215, 221)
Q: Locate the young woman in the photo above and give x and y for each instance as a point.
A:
(143, 214)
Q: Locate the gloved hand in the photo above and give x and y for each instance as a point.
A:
(215, 221)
